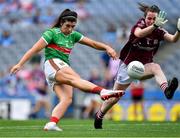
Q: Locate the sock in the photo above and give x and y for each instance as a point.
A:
(163, 86)
(54, 119)
(97, 89)
(100, 114)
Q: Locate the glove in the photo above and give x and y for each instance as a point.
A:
(160, 19)
(178, 25)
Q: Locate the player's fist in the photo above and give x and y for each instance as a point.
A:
(111, 52)
(15, 69)
(160, 19)
(178, 25)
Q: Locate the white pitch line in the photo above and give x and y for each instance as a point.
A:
(120, 124)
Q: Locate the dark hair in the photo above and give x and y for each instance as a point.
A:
(66, 15)
(145, 8)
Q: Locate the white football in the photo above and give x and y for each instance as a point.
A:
(135, 69)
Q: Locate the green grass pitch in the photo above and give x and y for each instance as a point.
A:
(84, 128)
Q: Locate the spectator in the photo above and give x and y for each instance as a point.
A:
(123, 33)
(48, 18)
(6, 39)
(110, 35)
(105, 59)
(137, 93)
(40, 92)
(81, 10)
(92, 102)
(113, 68)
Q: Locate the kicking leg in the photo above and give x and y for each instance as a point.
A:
(67, 76)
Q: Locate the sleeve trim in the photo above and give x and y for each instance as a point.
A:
(81, 38)
(44, 40)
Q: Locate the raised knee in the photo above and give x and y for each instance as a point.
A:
(113, 100)
(67, 100)
(155, 67)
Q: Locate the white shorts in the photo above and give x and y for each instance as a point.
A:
(40, 97)
(50, 68)
(91, 97)
(122, 76)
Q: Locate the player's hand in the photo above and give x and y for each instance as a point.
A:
(178, 25)
(160, 19)
(15, 69)
(111, 52)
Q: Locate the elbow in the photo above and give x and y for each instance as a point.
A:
(139, 35)
(174, 40)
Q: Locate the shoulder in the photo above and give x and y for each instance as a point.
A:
(77, 36)
(53, 30)
(141, 23)
(76, 33)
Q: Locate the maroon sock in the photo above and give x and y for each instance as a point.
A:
(100, 114)
(163, 86)
(54, 119)
(97, 89)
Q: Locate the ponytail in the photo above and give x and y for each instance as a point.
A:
(145, 8)
(66, 15)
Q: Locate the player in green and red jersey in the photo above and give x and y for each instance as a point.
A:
(58, 43)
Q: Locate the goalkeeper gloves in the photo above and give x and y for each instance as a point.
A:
(178, 25)
(160, 19)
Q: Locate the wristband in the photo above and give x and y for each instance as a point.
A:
(155, 26)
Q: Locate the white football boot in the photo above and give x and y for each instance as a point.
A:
(51, 126)
(106, 94)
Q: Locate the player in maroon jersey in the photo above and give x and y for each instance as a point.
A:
(142, 45)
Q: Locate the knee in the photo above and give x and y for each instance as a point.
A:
(113, 100)
(67, 78)
(155, 67)
(67, 101)
(74, 79)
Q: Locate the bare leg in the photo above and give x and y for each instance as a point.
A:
(47, 107)
(109, 103)
(155, 69)
(37, 106)
(67, 76)
(64, 93)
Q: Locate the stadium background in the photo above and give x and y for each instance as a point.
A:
(102, 20)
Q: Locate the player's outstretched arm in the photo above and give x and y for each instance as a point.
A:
(100, 46)
(178, 25)
(38, 46)
(176, 36)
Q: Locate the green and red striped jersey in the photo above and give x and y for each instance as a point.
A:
(59, 45)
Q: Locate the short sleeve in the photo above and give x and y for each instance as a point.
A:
(77, 36)
(140, 24)
(48, 36)
(161, 32)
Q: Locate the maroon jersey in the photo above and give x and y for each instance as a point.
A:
(141, 49)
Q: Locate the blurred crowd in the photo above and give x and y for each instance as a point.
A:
(38, 12)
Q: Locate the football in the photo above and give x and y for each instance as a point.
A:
(135, 69)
